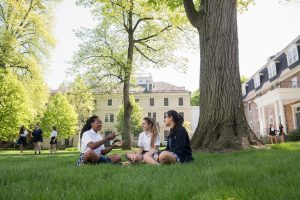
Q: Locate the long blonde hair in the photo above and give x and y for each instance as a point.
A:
(153, 130)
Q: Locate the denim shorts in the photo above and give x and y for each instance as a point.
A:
(102, 159)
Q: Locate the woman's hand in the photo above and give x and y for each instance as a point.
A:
(119, 143)
(111, 136)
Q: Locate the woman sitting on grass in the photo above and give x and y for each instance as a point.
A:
(92, 144)
(178, 146)
(148, 143)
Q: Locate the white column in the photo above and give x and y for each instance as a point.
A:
(260, 119)
(282, 115)
(276, 126)
(264, 121)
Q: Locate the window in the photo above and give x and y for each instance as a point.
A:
(180, 101)
(244, 89)
(151, 101)
(109, 117)
(149, 86)
(149, 114)
(295, 82)
(109, 102)
(154, 116)
(166, 102)
(249, 106)
(137, 100)
(166, 134)
(95, 102)
(272, 70)
(181, 114)
(292, 55)
(257, 80)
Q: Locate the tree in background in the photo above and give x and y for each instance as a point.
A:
(244, 79)
(81, 98)
(14, 110)
(222, 122)
(130, 34)
(195, 98)
(60, 113)
(136, 118)
(25, 33)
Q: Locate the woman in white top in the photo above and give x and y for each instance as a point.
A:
(148, 143)
(92, 144)
(22, 138)
(53, 140)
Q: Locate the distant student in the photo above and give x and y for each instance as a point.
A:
(178, 146)
(148, 143)
(272, 134)
(37, 138)
(281, 132)
(53, 140)
(22, 138)
(92, 144)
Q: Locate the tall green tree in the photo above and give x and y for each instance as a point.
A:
(14, 109)
(81, 98)
(129, 35)
(25, 33)
(195, 98)
(136, 118)
(222, 122)
(60, 113)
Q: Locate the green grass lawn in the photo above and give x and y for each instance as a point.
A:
(251, 174)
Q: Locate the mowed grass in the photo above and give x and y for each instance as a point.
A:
(250, 174)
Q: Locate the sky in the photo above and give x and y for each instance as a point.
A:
(265, 29)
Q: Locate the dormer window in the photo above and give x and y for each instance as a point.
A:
(272, 70)
(292, 54)
(257, 80)
(149, 86)
(244, 89)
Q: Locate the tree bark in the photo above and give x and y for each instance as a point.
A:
(128, 70)
(222, 123)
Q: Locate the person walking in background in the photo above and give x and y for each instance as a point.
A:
(178, 146)
(53, 140)
(92, 144)
(22, 138)
(281, 132)
(37, 138)
(272, 134)
(148, 143)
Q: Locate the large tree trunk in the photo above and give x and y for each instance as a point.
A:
(222, 122)
(128, 71)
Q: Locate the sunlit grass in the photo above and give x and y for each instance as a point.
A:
(252, 174)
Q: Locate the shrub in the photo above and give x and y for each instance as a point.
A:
(294, 135)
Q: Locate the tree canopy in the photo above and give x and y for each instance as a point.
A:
(14, 109)
(60, 113)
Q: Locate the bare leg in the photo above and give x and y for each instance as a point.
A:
(130, 156)
(282, 138)
(21, 149)
(115, 158)
(51, 146)
(91, 156)
(275, 137)
(54, 148)
(149, 159)
(35, 147)
(166, 157)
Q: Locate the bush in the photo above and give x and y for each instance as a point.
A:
(294, 135)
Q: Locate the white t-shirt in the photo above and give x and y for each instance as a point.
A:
(145, 140)
(54, 134)
(91, 136)
(24, 134)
